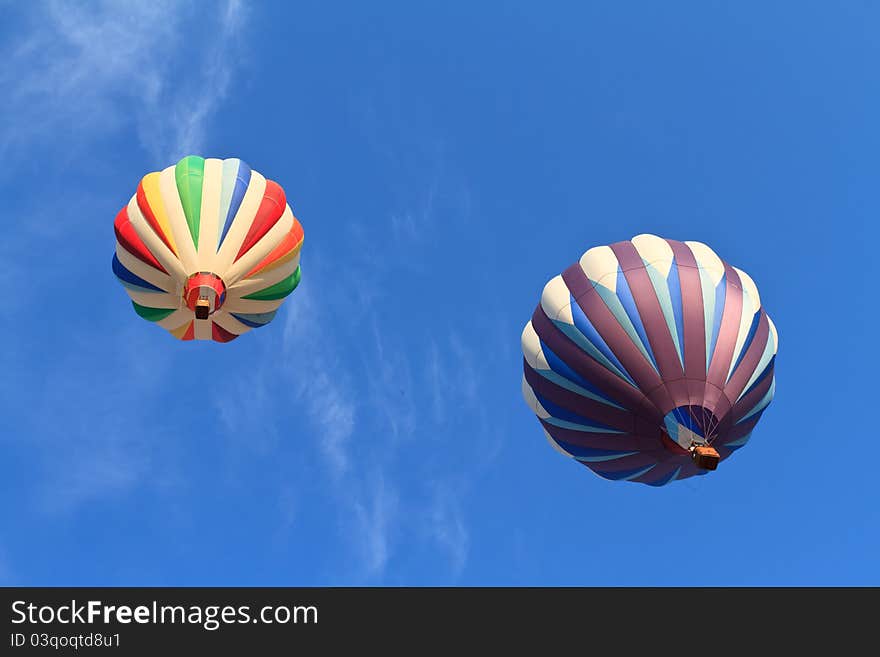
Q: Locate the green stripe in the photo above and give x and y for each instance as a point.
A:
(152, 314)
(189, 173)
(278, 291)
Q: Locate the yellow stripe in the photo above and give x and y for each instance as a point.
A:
(180, 331)
(154, 198)
(282, 260)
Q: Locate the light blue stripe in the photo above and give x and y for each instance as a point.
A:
(624, 294)
(739, 442)
(236, 178)
(563, 371)
(720, 299)
(761, 405)
(661, 290)
(674, 284)
(255, 320)
(748, 341)
(626, 475)
(597, 346)
(564, 424)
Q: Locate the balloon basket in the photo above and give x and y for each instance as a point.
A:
(203, 309)
(705, 457)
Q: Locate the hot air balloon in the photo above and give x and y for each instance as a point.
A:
(649, 360)
(207, 249)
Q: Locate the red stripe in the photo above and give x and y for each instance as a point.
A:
(290, 242)
(128, 238)
(220, 334)
(147, 211)
(190, 332)
(270, 211)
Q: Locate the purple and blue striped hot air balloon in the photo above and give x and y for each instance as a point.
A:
(649, 360)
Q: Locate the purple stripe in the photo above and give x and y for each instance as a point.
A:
(661, 473)
(726, 342)
(648, 305)
(738, 431)
(615, 336)
(749, 361)
(608, 441)
(627, 463)
(697, 389)
(615, 418)
(692, 310)
(611, 385)
(748, 402)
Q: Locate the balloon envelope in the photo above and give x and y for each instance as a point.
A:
(644, 350)
(207, 249)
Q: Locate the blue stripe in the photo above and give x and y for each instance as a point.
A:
(751, 336)
(242, 180)
(623, 474)
(588, 453)
(720, 298)
(590, 333)
(733, 446)
(629, 305)
(563, 370)
(688, 421)
(674, 284)
(131, 278)
(254, 320)
(763, 376)
(570, 416)
(666, 479)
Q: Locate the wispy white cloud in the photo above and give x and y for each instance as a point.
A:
(207, 84)
(446, 523)
(413, 226)
(81, 72)
(325, 387)
(321, 383)
(452, 376)
(391, 386)
(376, 518)
(79, 75)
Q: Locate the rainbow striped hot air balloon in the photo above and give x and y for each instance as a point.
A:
(207, 249)
(649, 360)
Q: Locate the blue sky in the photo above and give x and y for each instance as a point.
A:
(445, 159)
